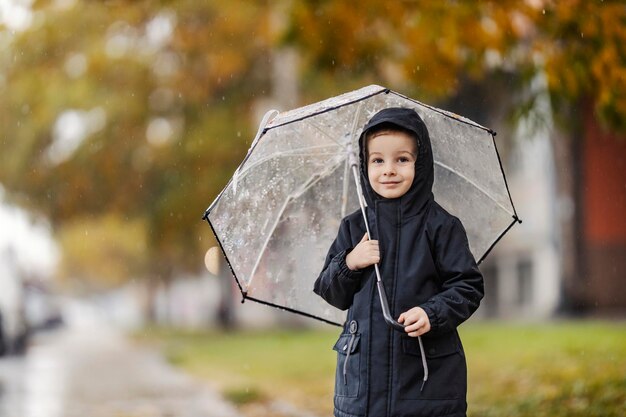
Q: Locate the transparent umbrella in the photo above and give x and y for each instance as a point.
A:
(280, 212)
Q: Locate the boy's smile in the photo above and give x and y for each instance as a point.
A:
(391, 159)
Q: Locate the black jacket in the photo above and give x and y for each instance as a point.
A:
(426, 262)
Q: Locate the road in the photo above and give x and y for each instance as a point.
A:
(89, 369)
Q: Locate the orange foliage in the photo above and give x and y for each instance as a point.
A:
(431, 46)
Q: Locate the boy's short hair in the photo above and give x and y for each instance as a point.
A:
(386, 128)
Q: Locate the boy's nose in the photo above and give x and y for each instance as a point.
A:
(390, 170)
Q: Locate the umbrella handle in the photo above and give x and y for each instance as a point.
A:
(379, 282)
(398, 326)
(385, 306)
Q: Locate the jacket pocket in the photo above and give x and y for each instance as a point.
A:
(347, 379)
(447, 374)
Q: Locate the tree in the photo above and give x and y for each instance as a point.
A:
(429, 48)
(135, 112)
(102, 252)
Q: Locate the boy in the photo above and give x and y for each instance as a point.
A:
(429, 274)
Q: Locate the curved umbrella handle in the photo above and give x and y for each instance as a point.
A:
(379, 282)
(385, 306)
(394, 324)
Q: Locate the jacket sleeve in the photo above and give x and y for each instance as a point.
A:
(462, 285)
(337, 283)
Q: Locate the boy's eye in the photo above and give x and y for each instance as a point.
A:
(403, 159)
(376, 161)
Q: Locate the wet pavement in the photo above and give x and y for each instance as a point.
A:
(89, 369)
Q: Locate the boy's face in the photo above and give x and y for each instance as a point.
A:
(391, 163)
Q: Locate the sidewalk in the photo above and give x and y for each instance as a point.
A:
(90, 369)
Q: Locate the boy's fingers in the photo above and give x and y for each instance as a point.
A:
(364, 238)
(410, 320)
(414, 327)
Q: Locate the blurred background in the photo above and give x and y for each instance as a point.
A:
(121, 121)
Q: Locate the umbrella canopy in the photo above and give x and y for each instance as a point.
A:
(278, 215)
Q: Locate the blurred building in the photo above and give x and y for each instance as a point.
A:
(597, 267)
(568, 257)
(523, 274)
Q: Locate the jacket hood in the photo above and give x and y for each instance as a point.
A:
(420, 192)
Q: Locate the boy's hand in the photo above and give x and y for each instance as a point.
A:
(416, 322)
(364, 254)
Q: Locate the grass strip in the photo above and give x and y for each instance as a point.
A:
(557, 369)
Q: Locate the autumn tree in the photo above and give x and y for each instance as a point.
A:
(130, 109)
(140, 110)
(429, 48)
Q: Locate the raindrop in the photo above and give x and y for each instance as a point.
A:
(544, 11)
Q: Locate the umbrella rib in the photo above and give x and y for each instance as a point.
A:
(267, 241)
(315, 179)
(312, 181)
(292, 152)
(324, 133)
(346, 184)
(346, 173)
(478, 187)
(245, 171)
